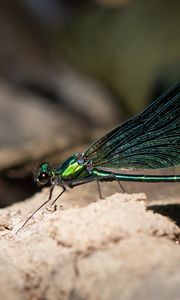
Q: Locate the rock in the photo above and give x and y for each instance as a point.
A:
(109, 249)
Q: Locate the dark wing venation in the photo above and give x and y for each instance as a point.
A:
(148, 140)
(152, 156)
(134, 125)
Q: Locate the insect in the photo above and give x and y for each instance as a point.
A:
(149, 140)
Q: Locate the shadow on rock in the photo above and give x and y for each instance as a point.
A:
(169, 210)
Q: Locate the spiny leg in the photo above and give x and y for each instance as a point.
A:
(121, 186)
(99, 189)
(49, 208)
(49, 199)
(54, 201)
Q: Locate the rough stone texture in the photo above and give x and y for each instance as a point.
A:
(108, 249)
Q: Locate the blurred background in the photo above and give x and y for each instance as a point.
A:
(71, 70)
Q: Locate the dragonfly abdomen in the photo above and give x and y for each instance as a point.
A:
(110, 176)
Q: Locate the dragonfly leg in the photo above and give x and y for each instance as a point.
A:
(44, 203)
(99, 189)
(121, 186)
(54, 201)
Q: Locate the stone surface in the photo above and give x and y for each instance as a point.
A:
(107, 249)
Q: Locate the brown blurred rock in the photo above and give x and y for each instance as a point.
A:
(111, 249)
(24, 118)
(27, 60)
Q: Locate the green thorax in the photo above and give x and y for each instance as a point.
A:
(71, 169)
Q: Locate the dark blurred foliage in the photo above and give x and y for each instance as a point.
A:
(131, 49)
(129, 46)
(71, 70)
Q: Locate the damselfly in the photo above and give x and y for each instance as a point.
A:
(149, 140)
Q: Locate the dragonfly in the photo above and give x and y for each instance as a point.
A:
(149, 140)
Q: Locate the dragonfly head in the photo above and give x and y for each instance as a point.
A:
(44, 174)
(73, 169)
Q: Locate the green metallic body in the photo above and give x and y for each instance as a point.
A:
(71, 170)
(147, 141)
(72, 173)
(136, 177)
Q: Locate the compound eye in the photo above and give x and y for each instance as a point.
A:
(43, 178)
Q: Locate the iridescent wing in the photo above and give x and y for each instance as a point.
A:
(149, 140)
